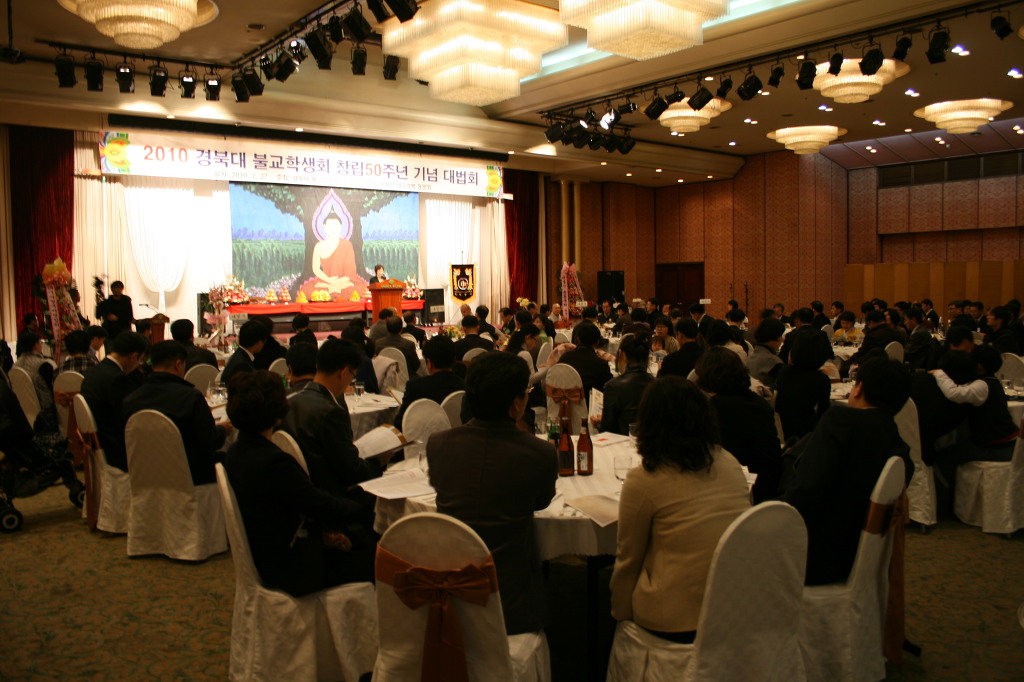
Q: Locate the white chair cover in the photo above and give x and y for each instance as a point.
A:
(279, 367)
(386, 369)
(1012, 367)
(66, 382)
(486, 335)
(924, 507)
(472, 353)
(201, 376)
(828, 329)
(452, 406)
(895, 351)
(329, 635)
(742, 634)
(441, 542)
(109, 484)
(410, 337)
(25, 390)
(284, 440)
(562, 337)
(564, 376)
(422, 418)
(402, 376)
(991, 494)
(170, 516)
(841, 625)
(545, 352)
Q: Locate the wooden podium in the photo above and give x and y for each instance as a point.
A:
(157, 325)
(386, 294)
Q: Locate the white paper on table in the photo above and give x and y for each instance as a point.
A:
(581, 486)
(596, 403)
(396, 394)
(398, 486)
(602, 509)
(384, 438)
(608, 438)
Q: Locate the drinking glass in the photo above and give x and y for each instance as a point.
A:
(1007, 386)
(358, 389)
(622, 464)
(634, 429)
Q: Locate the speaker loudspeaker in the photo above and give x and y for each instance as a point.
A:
(433, 307)
(611, 286)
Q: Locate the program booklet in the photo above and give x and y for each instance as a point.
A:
(384, 438)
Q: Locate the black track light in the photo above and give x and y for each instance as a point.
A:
(808, 71)
(320, 47)
(390, 70)
(380, 12)
(580, 138)
(554, 132)
(298, 51)
(158, 78)
(212, 86)
(750, 87)
(610, 118)
(358, 61)
(125, 75)
(1001, 26)
(187, 80)
(903, 45)
(627, 108)
(938, 46)
(775, 79)
(94, 75)
(252, 81)
(724, 86)
(65, 65)
(239, 87)
(611, 143)
(356, 25)
(835, 63)
(589, 119)
(596, 141)
(656, 108)
(675, 97)
(335, 29)
(284, 66)
(626, 144)
(700, 99)
(872, 62)
(267, 67)
(403, 9)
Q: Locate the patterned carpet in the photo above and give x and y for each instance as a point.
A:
(75, 607)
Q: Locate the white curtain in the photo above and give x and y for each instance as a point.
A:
(8, 312)
(494, 279)
(160, 230)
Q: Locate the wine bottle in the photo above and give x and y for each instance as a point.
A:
(566, 456)
(584, 451)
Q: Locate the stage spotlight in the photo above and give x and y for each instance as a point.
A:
(65, 65)
(700, 99)
(724, 87)
(212, 86)
(358, 61)
(157, 80)
(611, 143)
(675, 97)
(610, 118)
(94, 75)
(750, 87)
(627, 108)
(903, 46)
(938, 46)
(187, 80)
(319, 47)
(335, 29)
(380, 12)
(267, 67)
(835, 63)
(284, 66)
(240, 89)
(580, 138)
(356, 25)
(252, 81)
(554, 132)
(596, 141)
(805, 79)
(589, 119)
(1001, 26)
(872, 62)
(298, 51)
(656, 108)
(390, 70)
(403, 9)
(125, 75)
(626, 144)
(775, 79)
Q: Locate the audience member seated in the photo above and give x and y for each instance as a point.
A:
(394, 340)
(700, 316)
(301, 362)
(303, 334)
(802, 391)
(836, 470)
(183, 331)
(780, 314)
(819, 320)
(412, 330)
(251, 338)
(717, 334)
(493, 477)
(97, 339)
(589, 318)
(508, 321)
(546, 323)
(937, 416)
(682, 362)
(607, 313)
(673, 511)
(296, 531)
(486, 327)
(921, 349)
(764, 363)
(651, 311)
(835, 310)
(1001, 337)
(19, 446)
(622, 318)
(30, 323)
(380, 328)
(107, 385)
(894, 319)
(76, 356)
(29, 350)
(166, 391)
(594, 371)
(472, 338)
(366, 374)
(664, 333)
(440, 382)
(622, 394)
(847, 333)
(745, 420)
(272, 349)
(358, 336)
(736, 319)
(803, 320)
(877, 336)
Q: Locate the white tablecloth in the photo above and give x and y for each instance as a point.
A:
(370, 411)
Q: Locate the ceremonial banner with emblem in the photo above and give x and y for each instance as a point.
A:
(463, 282)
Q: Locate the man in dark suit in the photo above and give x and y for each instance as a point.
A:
(440, 382)
(592, 370)
(590, 320)
(493, 477)
(183, 332)
(394, 340)
(920, 341)
(412, 330)
(303, 334)
(105, 387)
(167, 392)
(272, 349)
(803, 321)
(1000, 335)
(482, 312)
(472, 338)
(820, 320)
(682, 362)
(251, 338)
(930, 315)
(877, 335)
(301, 362)
(115, 313)
(699, 314)
(380, 328)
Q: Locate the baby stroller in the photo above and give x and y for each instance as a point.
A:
(29, 463)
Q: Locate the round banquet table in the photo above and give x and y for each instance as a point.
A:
(370, 411)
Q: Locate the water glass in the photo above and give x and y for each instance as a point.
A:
(622, 464)
(634, 430)
(1007, 386)
(1018, 386)
(358, 389)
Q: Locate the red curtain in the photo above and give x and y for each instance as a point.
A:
(42, 205)
(522, 231)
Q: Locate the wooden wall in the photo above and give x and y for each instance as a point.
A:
(992, 282)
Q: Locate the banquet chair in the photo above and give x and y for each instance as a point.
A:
(410, 337)
(564, 389)
(386, 370)
(327, 635)
(745, 634)
(65, 387)
(487, 335)
(895, 351)
(402, 377)
(924, 507)
(284, 440)
(201, 376)
(423, 418)
(279, 367)
(828, 329)
(991, 494)
(562, 337)
(452, 405)
(170, 515)
(435, 547)
(841, 625)
(108, 494)
(544, 353)
(472, 353)
(25, 391)
(978, 337)
(1012, 367)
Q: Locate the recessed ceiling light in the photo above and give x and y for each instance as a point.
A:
(911, 92)
(604, 163)
(874, 151)
(878, 122)
(511, 152)
(709, 78)
(1015, 73)
(960, 50)
(629, 175)
(801, 56)
(673, 133)
(299, 130)
(710, 176)
(907, 130)
(1017, 128)
(170, 115)
(680, 180)
(657, 170)
(824, 107)
(868, 147)
(764, 92)
(732, 143)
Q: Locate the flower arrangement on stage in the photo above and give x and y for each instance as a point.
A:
(412, 290)
(60, 315)
(231, 291)
(522, 302)
(451, 331)
(56, 273)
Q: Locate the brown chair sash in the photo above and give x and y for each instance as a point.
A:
(90, 443)
(444, 654)
(75, 443)
(882, 519)
(564, 396)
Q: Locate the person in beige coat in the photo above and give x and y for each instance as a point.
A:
(673, 510)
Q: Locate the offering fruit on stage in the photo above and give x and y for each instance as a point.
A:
(285, 296)
(271, 296)
(354, 297)
(301, 298)
(321, 296)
